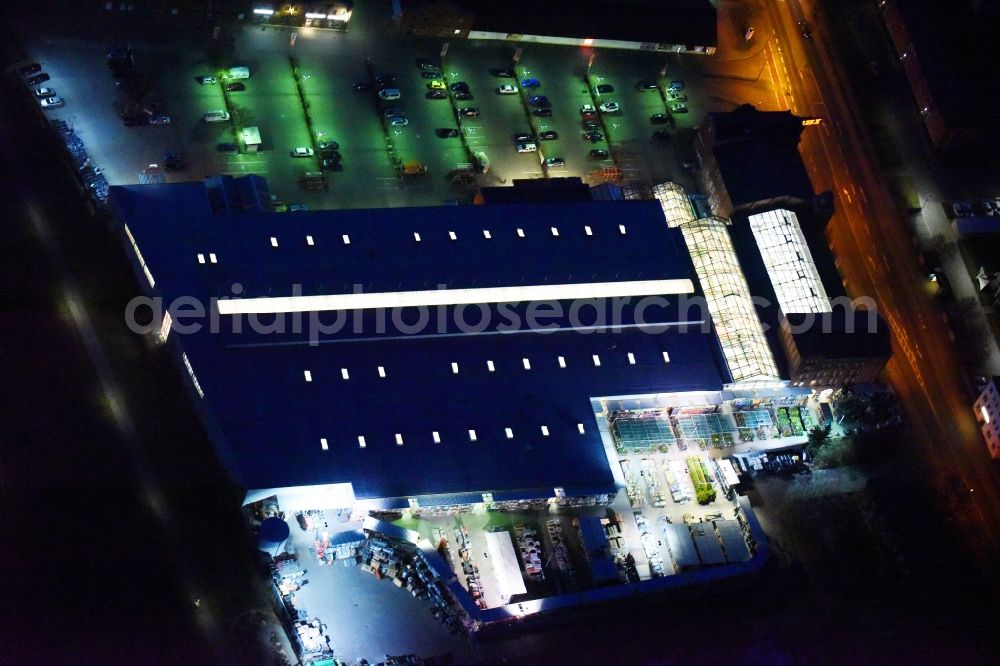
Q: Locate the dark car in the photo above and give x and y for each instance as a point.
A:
(385, 81)
(36, 79)
(446, 132)
(598, 154)
(523, 137)
(539, 101)
(328, 145)
(469, 112)
(590, 125)
(460, 86)
(328, 164)
(604, 89)
(548, 136)
(432, 75)
(425, 64)
(659, 119)
(593, 137)
(362, 87)
(661, 135)
(462, 95)
(235, 87)
(804, 29)
(436, 94)
(226, 147)
(502, 73)
(28, 70)
(645, 86)
(329, 154)
(555, 162)
(531, 83)
(542, 113)
(173, 162)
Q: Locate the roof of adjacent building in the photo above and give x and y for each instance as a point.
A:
(841, 334)
(758, 157)
(434, 409)
(686, 22)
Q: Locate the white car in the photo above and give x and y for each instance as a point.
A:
(302, 152)
(216, 116)
(42, 93)
(396, 121)
(587, 108)
(526, 147)
(159, 120)
(506, 89)
(207, 80)
(52, 102)
(674, 96)
(389, 94)
(610, 107)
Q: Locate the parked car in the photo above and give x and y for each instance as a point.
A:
(805, 30)
(327, 145)
(216, 116)
(385, 81)
(594, 136)
(432, 75)
(37, 79)
(302, 152)
(531, 83)
(589, 115)
(506, 89)
(446, 132)
(329, 154)
(539, 101)
(436, 85)
(389, 94)
(677, 96)
(678, 108)
(436, 94)
(610, 107)
(542, 113)
(328, 163)
(522, 137)
(645, 86)
(207, 80)
(52, 102)
(659, 119)
(459, 86)
(297, 208)
(398, 121)
(555, 162)
(463, 95)
(587, 108)
(527, 147)
(235, 87)
(42, 93)
(590, 125)
(598, 154)
(362, 87)
(29, 70)
(676, 85)
(661, 135)
(424, 63)
(226, 147)
(469, 112)
(502, 73)
(604, 89)
(159, 120)
(548, 135)
(393, 111)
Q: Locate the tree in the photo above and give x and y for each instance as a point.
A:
(818, 438)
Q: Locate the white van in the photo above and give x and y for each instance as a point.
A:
(389, 94)
(216, 116)
(238, 73)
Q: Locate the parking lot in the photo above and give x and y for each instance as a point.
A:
(300, 92)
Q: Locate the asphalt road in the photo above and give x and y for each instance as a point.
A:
(869, 236)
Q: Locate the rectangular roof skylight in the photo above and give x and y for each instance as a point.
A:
(432, 297)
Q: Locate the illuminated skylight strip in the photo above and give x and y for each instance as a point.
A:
(432, 297)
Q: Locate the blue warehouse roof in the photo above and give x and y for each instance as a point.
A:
(505, 409)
